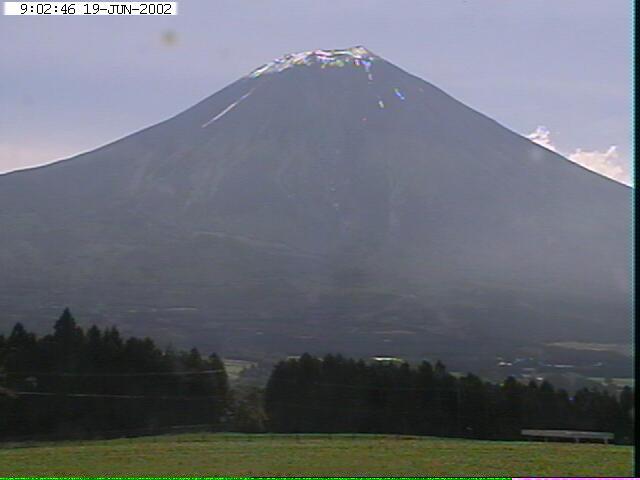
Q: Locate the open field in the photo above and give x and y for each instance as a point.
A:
(235, 367)
(314, 455)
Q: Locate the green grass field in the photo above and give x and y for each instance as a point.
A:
(309, 455)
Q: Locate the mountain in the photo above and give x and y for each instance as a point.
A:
(328, 201)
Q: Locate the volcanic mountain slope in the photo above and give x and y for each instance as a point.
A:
(328, 201)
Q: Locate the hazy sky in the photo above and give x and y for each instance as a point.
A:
(71, 84)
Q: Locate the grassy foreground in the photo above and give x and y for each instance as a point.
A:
(311, 455)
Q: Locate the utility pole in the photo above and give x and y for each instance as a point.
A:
(459, 401)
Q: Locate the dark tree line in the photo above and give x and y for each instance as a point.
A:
(336, 394)
(85, 383)
(77, 383)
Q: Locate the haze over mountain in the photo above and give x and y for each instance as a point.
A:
(328, 201)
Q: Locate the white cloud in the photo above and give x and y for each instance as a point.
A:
(542, 136)
(607, 163)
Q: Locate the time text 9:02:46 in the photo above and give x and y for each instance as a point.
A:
(90, 8)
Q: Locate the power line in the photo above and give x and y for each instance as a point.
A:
(129, 374)
(115, 433)
(425, 389)
(104, 395)
(355, 408)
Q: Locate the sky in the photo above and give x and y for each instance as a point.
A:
(558, 71)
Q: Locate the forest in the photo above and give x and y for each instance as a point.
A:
(337, 394)
(74, 383)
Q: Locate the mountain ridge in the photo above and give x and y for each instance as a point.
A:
(328, 203)
(299, 59)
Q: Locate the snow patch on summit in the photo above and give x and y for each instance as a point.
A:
(358, 56)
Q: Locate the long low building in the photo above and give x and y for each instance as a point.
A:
(576, 435)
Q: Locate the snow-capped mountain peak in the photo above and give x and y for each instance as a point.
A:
(358, 56)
